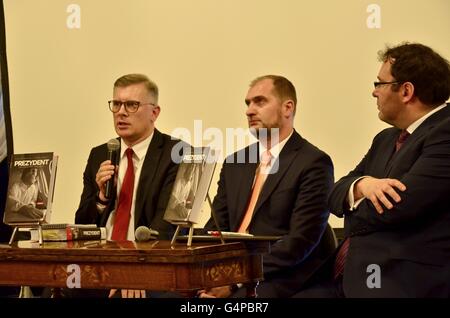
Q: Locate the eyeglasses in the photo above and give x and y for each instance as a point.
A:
(131, 106)
(377, 84)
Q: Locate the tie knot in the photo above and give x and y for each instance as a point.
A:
(266, 157)
(401, 139)
(129, 152)
(403, 136)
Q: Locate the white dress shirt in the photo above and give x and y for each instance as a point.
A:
(140, 151)
(275, 152)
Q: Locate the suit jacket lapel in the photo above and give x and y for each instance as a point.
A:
(148, 171)
(424, 128)
(383, 159)
(285, 160)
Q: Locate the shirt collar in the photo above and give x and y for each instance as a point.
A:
(419, 121)
(276, 149)
(140, 149)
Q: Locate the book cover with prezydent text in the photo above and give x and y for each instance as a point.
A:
(191, 186)
(30, 188)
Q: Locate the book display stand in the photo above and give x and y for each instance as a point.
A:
(190, 225)
(28, 227)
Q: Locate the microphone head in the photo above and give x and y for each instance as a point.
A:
(113, 145)
(143, 234)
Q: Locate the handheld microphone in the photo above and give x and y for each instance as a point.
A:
(143, 234)
(113, 147)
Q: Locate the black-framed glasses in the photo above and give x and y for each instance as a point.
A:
(377, 84)
(131, 106)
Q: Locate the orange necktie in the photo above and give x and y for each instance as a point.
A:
(261, 176)
(122, 219)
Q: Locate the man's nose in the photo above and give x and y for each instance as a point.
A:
(250, 110)
(122, 110)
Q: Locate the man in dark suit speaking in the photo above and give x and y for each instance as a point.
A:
(145, 173)
(396, 202)
(278, 186)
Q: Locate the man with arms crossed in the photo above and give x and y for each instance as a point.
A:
(396, 201)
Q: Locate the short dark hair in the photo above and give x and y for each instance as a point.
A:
(283, 88)
(131, 79)
(424, 68)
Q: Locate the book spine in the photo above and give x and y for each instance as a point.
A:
(87, 234)
(73, 234)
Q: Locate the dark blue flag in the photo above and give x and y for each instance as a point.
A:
(5, 128)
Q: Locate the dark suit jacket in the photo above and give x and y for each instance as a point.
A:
(411, 242)
(292, 204)
(154, 187)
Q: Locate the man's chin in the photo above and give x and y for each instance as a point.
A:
(123, 135)
(385, 119)
(122, 132)
(254, 130)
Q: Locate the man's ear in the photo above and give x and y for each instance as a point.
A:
(288, 108)
(156, 110)
(407, 91)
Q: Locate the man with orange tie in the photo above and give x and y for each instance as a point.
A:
(396, 201)
(277, 187)
(145, 174)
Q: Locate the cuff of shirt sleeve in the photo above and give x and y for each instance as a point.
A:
(101, 205)
(98, 200)
(351, 199)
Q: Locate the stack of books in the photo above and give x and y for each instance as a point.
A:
(69, 232)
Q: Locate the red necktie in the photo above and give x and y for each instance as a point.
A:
(261, 176)
(341, 257)
(122, 219)
(401, 139)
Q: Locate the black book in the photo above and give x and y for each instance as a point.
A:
(191, 186)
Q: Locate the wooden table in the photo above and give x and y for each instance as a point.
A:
(154, 265)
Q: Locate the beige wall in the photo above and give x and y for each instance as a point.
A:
(202, 54)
